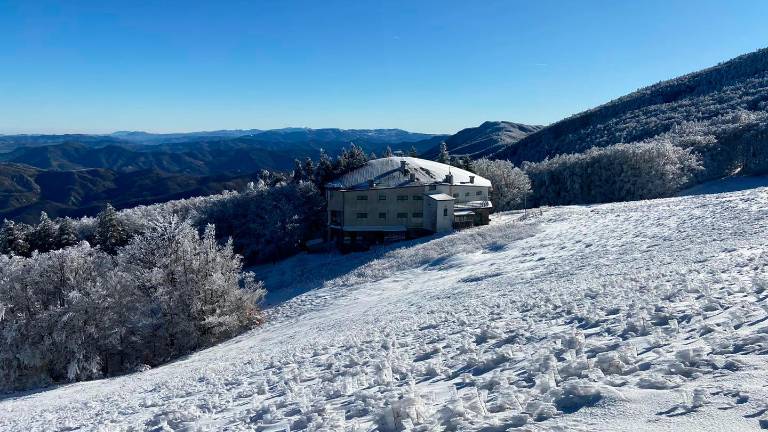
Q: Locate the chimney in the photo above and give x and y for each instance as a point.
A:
(413, 177)
(449, 178)
(472, 179)
(402, 166)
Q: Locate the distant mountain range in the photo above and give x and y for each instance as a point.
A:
(78, 174)
(286, 135)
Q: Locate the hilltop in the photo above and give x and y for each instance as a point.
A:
(720, 112)
(488, 138)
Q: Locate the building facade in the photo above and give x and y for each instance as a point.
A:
(405, 195)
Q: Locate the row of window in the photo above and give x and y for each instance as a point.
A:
(399, 215)
(383, 197)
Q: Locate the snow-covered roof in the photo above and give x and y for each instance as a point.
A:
(441, 197)
(387, 172)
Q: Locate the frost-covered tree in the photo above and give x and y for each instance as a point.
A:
(444, 156)
(77, 313)
(388, 152)
(13, 239)
(324, 170)
(511, 186)
(42, 238)
(110, 231)
(298, 171)
(621, 172)
(66, 234)
(269, 224)
(413, 152)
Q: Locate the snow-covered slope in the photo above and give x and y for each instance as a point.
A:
(635, 316)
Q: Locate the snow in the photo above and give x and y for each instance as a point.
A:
(640, 316)
(386, 173)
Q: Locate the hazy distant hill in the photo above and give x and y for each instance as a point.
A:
(198, 161)
(726, 103)
(484, 140)
(11, 142)
(389, 136)
(25, 191)
(146, 138)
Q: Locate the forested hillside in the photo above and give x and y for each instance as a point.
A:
(484, 140)
(26, 191)
(720, 113)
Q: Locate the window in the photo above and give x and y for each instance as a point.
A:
(432, 187)
(382, 215)
(445, 212)
(478, 193)
(417, 198)
(382, 197)
(456, 195)
(402, 215)
(466, 194)
(402, 197)
(362, 215)
(362, 197)
(418, 214)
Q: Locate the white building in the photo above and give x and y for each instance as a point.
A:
(407, 195)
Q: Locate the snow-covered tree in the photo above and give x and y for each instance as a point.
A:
(621, 172)
(43, 236)
(110, 231)
(324, 170)
(13, 239)
(78, 313)
(413, 152)
(444, 156)
(511, 186)
(388, 152)
(66, 235)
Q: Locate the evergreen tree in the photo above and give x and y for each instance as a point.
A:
(298, 171)
(66, 235)
(110, 232)
(324, 170)
(309, 169)
(43, 236)
(388, 152)
(444, 156)
(355, 157)
(466, 164)
(372, 156)
(413, 152)
(12, 239)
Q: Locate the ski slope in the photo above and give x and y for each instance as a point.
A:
(638, 316)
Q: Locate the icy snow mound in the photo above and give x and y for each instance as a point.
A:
(636, 316)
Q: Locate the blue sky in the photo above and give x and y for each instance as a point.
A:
(429, 66)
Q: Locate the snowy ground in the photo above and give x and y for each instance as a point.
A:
(636, 316)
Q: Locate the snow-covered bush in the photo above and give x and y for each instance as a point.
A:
(621, 172)
(511, 186)
(80, 313)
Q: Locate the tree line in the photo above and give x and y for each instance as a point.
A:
(81, 313)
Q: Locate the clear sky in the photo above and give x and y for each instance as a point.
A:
(429, 66)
